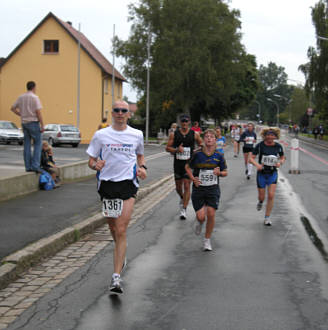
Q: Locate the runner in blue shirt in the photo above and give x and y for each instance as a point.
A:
(207, 164)
(220, 140)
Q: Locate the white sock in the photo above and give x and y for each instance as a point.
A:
(249, 167)
(116, 275)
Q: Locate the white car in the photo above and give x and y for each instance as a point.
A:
(9, 132)
(57, 134)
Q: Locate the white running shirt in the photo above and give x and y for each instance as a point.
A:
(119, 149)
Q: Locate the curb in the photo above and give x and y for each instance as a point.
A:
(16, 263)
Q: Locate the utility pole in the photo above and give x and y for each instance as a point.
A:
(148, 82)
(78, 81)
(113, 72)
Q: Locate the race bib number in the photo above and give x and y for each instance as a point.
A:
(185, 155)
(250, 140)
(207, 178)
(112, 208)
(237, 137)
(270, 160)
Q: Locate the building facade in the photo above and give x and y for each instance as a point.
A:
(74, 80)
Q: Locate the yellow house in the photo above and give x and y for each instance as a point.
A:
(73, 79)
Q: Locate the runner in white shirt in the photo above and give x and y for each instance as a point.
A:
(117, 152)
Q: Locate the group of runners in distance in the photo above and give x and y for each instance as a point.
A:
(117, 154)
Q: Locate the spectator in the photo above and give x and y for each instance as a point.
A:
(173, 128)
(196, 127)
(321, 132)
(103, 123)
(28, 107)
(48, 163)
(316, 132)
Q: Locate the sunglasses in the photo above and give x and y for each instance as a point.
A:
(123, 110)
(184, 120)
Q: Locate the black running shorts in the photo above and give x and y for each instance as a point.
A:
(179, 170)
(121, 189)
(247, 149)
(202, 196)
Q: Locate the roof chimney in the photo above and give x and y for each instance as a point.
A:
(69, 22)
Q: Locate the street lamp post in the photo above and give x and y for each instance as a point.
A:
(322, 38)
(259, 110)
(277, 105)
(148, 82)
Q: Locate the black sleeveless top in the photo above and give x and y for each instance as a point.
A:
(187, 140)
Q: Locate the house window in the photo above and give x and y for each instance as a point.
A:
(50, 46)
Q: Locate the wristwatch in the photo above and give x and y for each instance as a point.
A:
(144, 166)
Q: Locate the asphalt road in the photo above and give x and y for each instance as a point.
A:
(256, 277)
(29, 218)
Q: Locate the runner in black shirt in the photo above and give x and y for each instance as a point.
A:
(249, 138)
(181, 144)
(271, 157)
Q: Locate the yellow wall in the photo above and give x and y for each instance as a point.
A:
(56, 79)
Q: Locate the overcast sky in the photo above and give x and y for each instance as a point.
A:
(277, 30)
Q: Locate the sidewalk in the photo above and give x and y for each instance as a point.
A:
(41, 223)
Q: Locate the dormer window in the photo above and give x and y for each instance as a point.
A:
(50, 46)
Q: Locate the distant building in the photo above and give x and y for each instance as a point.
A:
(49, 56)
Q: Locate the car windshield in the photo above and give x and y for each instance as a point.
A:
(8, 125)
(68, 128)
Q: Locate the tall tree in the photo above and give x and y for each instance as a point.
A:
(274, 92)
(198, 63)
(316, 70)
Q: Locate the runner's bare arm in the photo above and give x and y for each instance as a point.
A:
(96, 164)
(195, 180)
(281, 161)
(169, 146)
(141, 171)
(254, 162)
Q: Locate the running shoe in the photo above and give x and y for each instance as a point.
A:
(246, 171)
(248, 177)
(115, 285)
(267, 222)
(198, 227)
(207, 245)
(259, 206)
(183, 215)
(235, 156)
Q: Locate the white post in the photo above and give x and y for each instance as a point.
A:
(294, 157)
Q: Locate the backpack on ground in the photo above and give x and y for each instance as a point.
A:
(45, 181)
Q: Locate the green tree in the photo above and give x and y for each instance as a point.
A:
(297, 107)
(316, 70)
(274, 87)
(197, 63)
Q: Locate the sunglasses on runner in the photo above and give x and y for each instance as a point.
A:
(184, 120)
(123, 110)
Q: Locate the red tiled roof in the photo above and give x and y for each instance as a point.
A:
(86, 44)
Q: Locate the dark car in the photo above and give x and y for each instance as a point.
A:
(57, 134)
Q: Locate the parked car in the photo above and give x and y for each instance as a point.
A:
(57, 134)
(9, 132)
